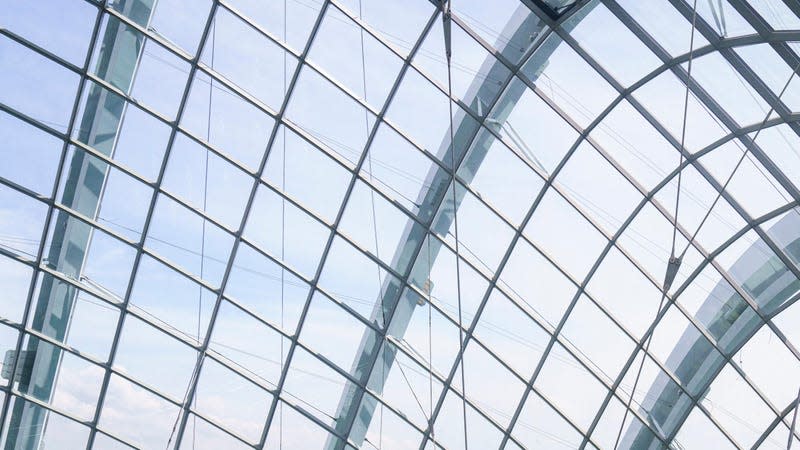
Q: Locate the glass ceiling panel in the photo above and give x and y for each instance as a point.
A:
(725, 17)
(613, 45)
(774, 72)
(346, 224)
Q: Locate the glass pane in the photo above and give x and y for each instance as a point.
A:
(62, 28)
(37, 86)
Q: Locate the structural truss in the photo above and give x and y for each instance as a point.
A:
(394, 224)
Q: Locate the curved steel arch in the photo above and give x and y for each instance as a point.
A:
(472, 130)
(739, 133)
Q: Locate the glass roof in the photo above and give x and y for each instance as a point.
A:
(382, 224)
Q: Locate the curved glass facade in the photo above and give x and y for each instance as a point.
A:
(301, 224)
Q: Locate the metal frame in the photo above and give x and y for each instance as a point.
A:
(556, 24)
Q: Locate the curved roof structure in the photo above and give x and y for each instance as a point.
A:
(377, 224)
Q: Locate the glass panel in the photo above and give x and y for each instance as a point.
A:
(477, 77)
(137, 415)
(439, 280)
(751, 185)
(569, 81)
(161, 79)
(759, 272)
(699, 431)
(497, 25)
(244, 139)
(315, 387)
(726, 20)
(230, 400)
(635, 145)
(658, 399)
(697, 198)
(35, 170)
(634, 432)
(355, 59)
(92, 322)
(570, 387)
(389, 431)
(716, 75)
(430, 334)
(450, 426)
(663, 97)
(404, 173)
(357, 281)
(613, 45)
(295, 430)
(428, 123)
(540, 426)
(177, 311)
(23, 234)
(73, 388)
(141, 142)
(36, 86)
(500, 177)
(602, 343)
(306, 174)
(777, 14)
(398, 24)
(59, 431)
(201, 435)
(380, 228)
(782, 146)
(232, 41)
(188, 240)
(511, 334)
(543, 141)
(636, 305)
(299, 16)
(472, 223)
(717, 306)
(648, 240)
(406, 383)
(770, 366)
(536, 285)
(64, 29)
(263, 288)
(666, 25)
(143, 349)
(339, 126)
(181, 21)
(285, 232)
(16, 279)
(248, 345)
(607, 196)
(489, 385)
(773, 71)
(207, 182)
(342, 347)
(554, 217)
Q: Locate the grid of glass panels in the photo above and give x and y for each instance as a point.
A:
(244, 224)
